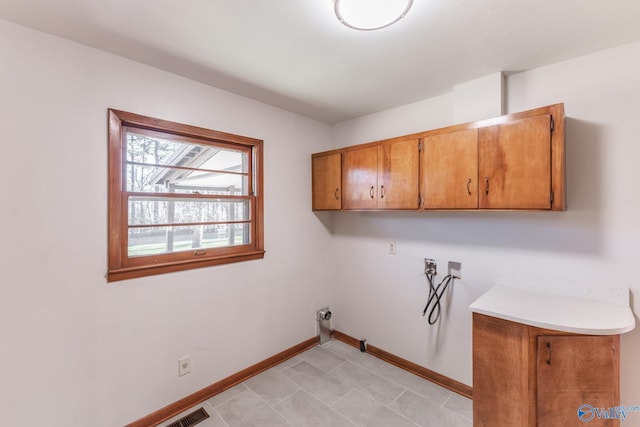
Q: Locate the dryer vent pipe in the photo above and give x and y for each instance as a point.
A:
(323, 316)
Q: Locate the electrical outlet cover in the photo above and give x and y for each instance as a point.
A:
(184, 365)
(455, 269)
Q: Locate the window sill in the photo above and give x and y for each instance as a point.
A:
(114, 275)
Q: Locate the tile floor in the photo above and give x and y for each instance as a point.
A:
(336, 385)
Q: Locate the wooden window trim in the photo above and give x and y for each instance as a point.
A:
(120, 266)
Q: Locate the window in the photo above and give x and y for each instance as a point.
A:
(180, 197)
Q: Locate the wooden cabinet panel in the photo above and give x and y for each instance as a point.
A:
(501, 375)
(450, 170)
(577, 370)
(515, 164)
(398, 164)
(360, 178)
(381, 176)
(525, 376)
(326, 182)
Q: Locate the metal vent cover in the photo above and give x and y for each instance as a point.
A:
(191, 419)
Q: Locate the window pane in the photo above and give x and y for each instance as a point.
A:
(176, 166)
(156, 210)
(158, 151)
(162, 240)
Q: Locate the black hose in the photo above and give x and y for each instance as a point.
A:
(435, 295)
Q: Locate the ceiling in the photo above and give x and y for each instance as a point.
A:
(295, 55)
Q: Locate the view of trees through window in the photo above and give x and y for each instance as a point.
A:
(181, 197)
(184, 195)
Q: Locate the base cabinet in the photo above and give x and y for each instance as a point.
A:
(573, 371)
(527, 376)
(502, 374)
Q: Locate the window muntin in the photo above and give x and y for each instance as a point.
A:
(152, 178)
(145, 210)
(178, 197)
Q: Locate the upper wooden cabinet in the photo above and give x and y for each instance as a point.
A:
(509, 162)
(326, 180)
(514, 163)
(360, 178)
(450, 170)
(398, 170)
(382, 175)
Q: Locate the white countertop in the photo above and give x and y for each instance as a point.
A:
(560, 313)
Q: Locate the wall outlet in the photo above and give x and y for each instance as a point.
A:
(392, 248)
(455, 269)
(184, 365)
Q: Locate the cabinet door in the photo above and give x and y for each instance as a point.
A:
(502, 375)
(575, 371)
(515, 164)
(450, 170)
(360, 178)
(326, 182)
(398, 180)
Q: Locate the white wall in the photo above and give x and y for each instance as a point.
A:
(479, 99)
(74, 346)
(381, 296)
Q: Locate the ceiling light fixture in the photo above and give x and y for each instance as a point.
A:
(367, 15)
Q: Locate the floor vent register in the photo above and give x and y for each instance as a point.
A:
(191, 419)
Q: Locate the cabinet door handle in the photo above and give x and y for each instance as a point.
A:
(468, 184)
(336, 194)
(548, 353)
(382, 191)
(486, 186)
(371, 191)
